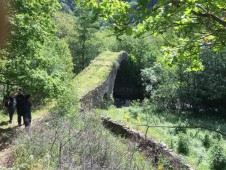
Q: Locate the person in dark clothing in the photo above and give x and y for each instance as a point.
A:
(11, 107)
(27, 111)
(5, 101)
(9, 104)
(20, 99)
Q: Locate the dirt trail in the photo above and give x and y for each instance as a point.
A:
(8, 138)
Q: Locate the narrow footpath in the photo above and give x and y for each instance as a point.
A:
(8, 137)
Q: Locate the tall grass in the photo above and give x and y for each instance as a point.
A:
(195, 145)
(69, 139)
(81, 143)
(96, 72)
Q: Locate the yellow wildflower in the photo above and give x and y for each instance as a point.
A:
(138, 118)
(160, 167)
(127, 117)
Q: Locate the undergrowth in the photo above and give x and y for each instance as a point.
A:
(59, 144)
(69, 139)
(195, 145)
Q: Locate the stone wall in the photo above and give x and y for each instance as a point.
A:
(104, 91)
(152, 148)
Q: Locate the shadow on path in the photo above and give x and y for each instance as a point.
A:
(7, 135)
(3, 123)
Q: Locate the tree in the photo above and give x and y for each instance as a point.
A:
(3, 23)
(196, 23)
(34, 59)
(161, 84)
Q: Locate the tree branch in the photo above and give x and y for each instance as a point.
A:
(187, 127)
(212, 16)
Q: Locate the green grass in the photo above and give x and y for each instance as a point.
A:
(198, 157)
(96, 72)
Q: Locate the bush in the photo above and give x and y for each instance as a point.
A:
(134, 112)
(67, 103)
(180, 129)
(206, 141)
(218, 158)
(183, 144)
(217, 136)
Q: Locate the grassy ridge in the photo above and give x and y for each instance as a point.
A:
(96, 72)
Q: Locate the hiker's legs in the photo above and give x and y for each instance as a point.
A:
(29, 117)
(11, 112)
(19, 114)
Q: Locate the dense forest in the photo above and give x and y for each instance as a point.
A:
(177, 61)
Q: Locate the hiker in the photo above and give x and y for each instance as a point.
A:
(20, 98)
(27, 111)
(9, 105)
(5, 101)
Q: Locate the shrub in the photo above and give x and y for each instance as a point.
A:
(218, 158)
(183, 144)
(180, 128)
(206, 141)
(67, 103)
(217, 136)
(134, 112)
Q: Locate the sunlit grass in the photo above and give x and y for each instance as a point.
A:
(198, 157)
(95, 73)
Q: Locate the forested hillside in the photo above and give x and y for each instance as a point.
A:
(172, 88)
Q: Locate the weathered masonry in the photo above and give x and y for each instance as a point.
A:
(95, 86)
(103, 91)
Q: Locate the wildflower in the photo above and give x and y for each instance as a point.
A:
(127, 117)
(143, 155)
(138, 118)
(160, 167)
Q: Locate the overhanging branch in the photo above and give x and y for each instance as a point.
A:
(187, 127)
(212, 16)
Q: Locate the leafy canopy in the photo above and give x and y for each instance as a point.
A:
(196, 23)
(34, 58)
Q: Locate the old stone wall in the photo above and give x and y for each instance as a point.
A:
(152, 148)
(104, 91)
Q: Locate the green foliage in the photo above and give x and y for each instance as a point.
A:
(198, 155)
(160, 84)
(195, 90)
(183, 144)
(164, 163)
(217, 136)
(34, 59)
(84, 47)
(192, 21)
(175, 88)
(142, 51)
(218, 158)
(181, 128)
(135, 110)
(65, 26)
(67, 102)
(207, 141)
